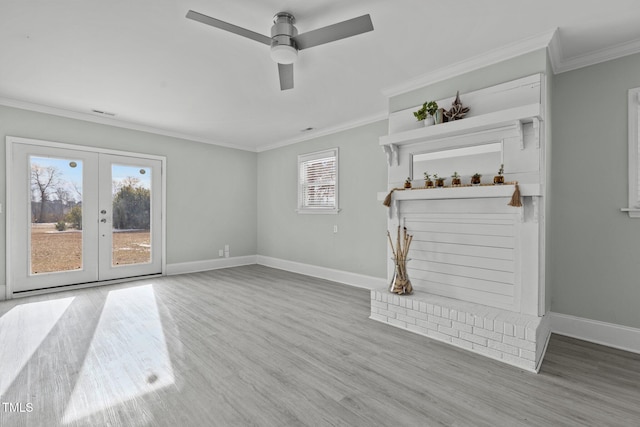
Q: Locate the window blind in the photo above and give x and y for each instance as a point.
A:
(318, 181)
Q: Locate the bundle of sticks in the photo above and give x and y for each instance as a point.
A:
(400, 283)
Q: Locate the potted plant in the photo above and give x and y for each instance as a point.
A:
(439, 180)
(499, 179)
(407, 183)
(427, 180)
(421, 114)
(475, 179)
(432, 108)
(455, 180)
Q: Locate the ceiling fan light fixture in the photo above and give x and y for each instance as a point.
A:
(284, 54)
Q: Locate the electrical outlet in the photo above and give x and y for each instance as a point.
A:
(226, 251)
(335, 228)
(220, 252)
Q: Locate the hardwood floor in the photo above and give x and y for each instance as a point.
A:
(254, 346)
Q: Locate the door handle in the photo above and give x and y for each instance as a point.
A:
(103, 211)
(103, 220)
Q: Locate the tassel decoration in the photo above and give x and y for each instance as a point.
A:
(387, 200)
(515, 199)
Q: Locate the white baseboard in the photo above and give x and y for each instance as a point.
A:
(210, 264)
(609, 334)
(348, 278)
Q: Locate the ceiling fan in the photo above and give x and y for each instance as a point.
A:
(285, 41)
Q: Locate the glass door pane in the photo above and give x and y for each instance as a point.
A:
(56, 214)
(130, 216)
(53, 216)
(131, 221)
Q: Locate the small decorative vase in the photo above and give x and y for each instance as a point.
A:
(498, 180)
(429, 121)
(475, 180)
(440, 182)
(438, 116)
(456, 182)
(428, 184)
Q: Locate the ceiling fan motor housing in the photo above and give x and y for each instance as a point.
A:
(283, 30)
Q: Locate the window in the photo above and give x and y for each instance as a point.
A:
(634, 154)
(318, 182)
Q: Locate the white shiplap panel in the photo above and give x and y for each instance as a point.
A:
(462, 282)
(469, 255)
(460, 270)
(477, 260)
(466, 239)
(479, 252)
(461, 227)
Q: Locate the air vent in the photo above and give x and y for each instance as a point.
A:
(103, 113)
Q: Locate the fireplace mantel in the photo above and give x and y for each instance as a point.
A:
(466, 192)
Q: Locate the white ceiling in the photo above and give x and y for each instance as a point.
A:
(148, 64)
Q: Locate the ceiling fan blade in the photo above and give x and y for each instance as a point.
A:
(228, 27)
(341, 30)
(286, 76)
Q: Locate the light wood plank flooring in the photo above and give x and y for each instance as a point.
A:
(254, 346)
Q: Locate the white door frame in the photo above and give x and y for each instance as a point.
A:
(10, 141)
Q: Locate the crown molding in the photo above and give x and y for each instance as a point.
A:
(511, 50)
(87, 117)
(555, 52)
(561, 64)
(383, 115)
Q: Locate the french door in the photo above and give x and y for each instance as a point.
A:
(82, 216)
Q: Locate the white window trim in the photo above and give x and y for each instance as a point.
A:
(318, 210)
(634, 153)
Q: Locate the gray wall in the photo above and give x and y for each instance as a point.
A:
(211, 194)
(595, 267)
(360, 244)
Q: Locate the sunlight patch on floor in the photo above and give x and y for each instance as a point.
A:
(22, 330)
(127, 358)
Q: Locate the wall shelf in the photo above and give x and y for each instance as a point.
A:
(498, 119)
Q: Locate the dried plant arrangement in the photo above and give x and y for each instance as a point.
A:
(457, 111)
(400, 284)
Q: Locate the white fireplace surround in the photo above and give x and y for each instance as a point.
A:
(477, 264)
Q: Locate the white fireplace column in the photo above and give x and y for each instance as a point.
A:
(477, 264)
